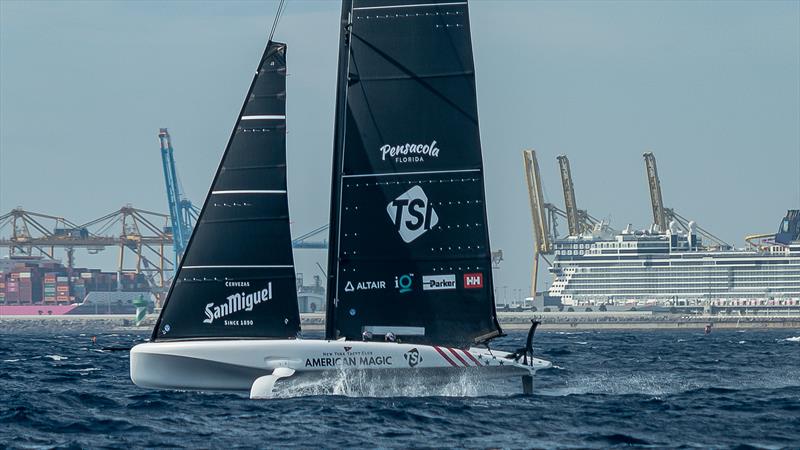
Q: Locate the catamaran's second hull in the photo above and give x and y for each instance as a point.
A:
(227, 365)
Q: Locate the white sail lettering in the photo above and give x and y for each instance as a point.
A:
(237, 302)
(209, 314)
(248, 302)
(409, 152)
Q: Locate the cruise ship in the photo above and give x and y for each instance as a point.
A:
(674, 268)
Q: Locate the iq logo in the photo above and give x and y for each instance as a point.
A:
(404, 283)
(473, 280)
(412, 214)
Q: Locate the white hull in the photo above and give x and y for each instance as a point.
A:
(236, 365)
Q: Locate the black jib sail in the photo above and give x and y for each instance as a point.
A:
(236, 279)
(409, 241)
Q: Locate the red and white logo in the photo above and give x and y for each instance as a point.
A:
(473, 280)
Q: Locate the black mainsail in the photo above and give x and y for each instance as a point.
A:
(236, 279)
(409, 244)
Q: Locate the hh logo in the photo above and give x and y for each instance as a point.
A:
(412, 357)
(412, 214)
(473, 280)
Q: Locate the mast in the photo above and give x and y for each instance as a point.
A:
(338, 160)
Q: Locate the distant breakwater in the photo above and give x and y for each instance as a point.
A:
(509, 320)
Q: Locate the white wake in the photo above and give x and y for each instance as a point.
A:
(354, 383)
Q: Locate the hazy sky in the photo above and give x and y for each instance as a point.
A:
(713, 88)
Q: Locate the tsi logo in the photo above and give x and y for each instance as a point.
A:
(412, 357)
(473, 280)
(404, 283)
(438, 282)
(412, 214)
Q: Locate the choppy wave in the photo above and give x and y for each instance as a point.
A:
(621, 388)
(647, 383)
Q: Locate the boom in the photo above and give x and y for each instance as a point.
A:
(573, 221)
(656, 200)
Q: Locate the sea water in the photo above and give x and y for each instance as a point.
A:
(608, 388)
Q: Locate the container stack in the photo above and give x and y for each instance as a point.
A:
(133, 282)
(78, 290)
(12, 289)
(49, 288)
(50, 283)
(25, 288)
(62, 290)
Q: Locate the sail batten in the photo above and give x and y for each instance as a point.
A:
(283, 191)
(408, 5)
(267, 117)
(252, 266)
(414, 77)
(427, 172)
(409, 238)
(236, 278)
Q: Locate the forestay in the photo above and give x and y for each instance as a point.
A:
(236, 279)
(409, 241)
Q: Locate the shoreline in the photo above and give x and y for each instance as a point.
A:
(510, 321)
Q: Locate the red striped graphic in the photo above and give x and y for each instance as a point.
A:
(459, 357)
(445, 356)
(475, 360)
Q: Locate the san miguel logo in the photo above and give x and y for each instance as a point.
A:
(409, 153)
(237, 302)
(412, 214)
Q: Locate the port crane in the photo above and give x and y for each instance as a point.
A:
(135, 232)
(663, 216)
(569, 195)
(303, 240)
(545, 215)
(183, 214)
(656, 199)
(578, 220)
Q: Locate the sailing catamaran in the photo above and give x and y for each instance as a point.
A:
(410, 289)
